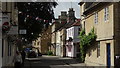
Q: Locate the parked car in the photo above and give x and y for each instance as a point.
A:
(32, 54)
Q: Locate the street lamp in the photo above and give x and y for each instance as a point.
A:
(25, 39)
(22, 38)
(32, 33)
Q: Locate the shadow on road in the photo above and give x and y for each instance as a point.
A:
(49, 62)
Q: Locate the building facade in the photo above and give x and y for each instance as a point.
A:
(58, 46)
(60, 34)
(45, 40)
(105, 20)
(65, 20)
(54, 28)
(72, 40)
(36, 45)
(62, 42)
(9, 17)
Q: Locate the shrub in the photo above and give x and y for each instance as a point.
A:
(49, 53)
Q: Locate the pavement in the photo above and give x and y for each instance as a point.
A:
(52, 62)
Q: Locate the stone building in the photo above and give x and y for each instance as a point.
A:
(66, 20)
(9, 19)
(54, 28)
(105, 18)
(36, 45)
(60, 49)
(43, 42)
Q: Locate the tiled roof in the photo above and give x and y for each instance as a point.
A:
(76, 24)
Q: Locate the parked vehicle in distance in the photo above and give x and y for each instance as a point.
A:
(39, 54)
(32, 54)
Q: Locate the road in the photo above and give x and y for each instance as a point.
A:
(52, 62)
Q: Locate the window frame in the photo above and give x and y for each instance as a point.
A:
(38, 43)
(106, 13)
(79, 30)
(96, 18)
(98, 49)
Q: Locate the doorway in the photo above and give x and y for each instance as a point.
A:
(108, 55)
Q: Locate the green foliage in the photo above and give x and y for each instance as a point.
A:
(50, 53)
(86, 41)
(33, 17)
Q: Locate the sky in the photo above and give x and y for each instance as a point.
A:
(64, 6)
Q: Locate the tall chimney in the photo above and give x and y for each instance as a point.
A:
(71, 15)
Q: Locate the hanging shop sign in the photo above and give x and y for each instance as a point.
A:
(5, 22)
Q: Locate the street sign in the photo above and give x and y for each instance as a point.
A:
(5, 22)
(22, 31)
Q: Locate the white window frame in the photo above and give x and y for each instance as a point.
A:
(106, 13)
(96, 18)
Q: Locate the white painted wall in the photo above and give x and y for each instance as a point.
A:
(70, 33)
(73, 33)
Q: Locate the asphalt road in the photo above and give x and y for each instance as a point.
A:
(52, 62)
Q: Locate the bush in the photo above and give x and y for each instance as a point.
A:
(49, 53)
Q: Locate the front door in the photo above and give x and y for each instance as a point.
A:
(108, 55)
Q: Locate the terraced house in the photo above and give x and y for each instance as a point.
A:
(45, 40)
(105, 18)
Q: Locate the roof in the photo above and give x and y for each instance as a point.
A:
(76, 24)
(80, 3)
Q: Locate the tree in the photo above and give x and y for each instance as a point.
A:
(33, 16)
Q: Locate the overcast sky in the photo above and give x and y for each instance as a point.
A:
(64, 6)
